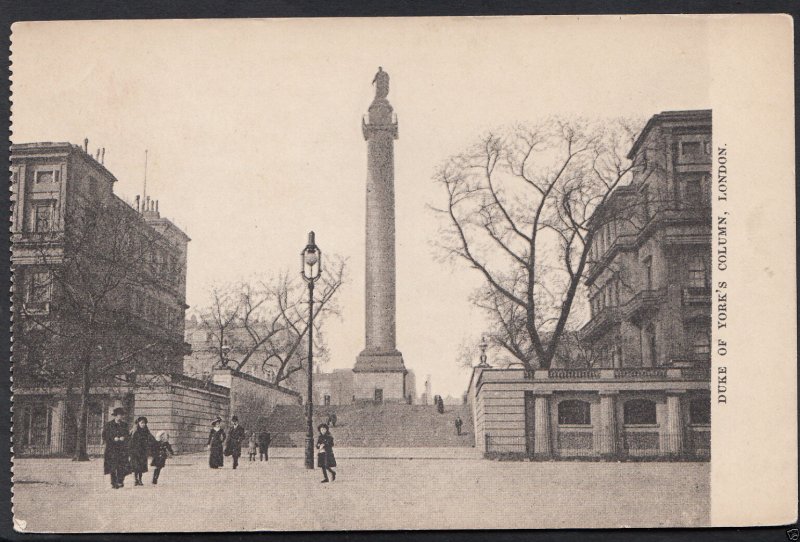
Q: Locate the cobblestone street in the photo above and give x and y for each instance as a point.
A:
(414, 490)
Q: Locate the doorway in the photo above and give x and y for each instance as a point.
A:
(378, 395)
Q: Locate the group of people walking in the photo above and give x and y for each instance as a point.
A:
(221, 445)
(128, 451)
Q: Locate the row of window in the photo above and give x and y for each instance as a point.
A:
(634, 412)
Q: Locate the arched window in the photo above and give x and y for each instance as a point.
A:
(700, 411)
(639, 411)
(574, 412)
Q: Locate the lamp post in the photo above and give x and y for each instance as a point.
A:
(311, 269)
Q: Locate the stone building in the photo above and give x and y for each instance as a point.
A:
(55, 187)
(644, 392)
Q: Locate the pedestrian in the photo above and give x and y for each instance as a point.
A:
(216, 439)
(264, 439)
(139, 448)
(325, 458)
(458, 425)
(440, 405)
(235, 438)
(161, 451)
(252, 445)
(115, 456)
(333, 420)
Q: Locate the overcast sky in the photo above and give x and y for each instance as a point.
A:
(254, 132)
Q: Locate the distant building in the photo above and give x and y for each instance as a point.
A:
(643, 389)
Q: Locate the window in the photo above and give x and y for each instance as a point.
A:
(648, 273)
(697, 273)
(690, 148)
(47, 176)
(42, 217)
(94, 425)
(327, 400)
(652, 351)
(639, 412)
(701, 344)
(39, 287)
(700, 411)
(574, 412)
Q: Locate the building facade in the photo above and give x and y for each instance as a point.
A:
(644, 390)
(67, 224)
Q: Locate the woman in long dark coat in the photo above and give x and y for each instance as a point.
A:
(325, 458)
(140, 447)
(115, 456)
(216, 441)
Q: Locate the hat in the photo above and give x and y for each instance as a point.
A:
(119, 411)
(320, 426)
(216, 420)
(141, 419)
(234, 419)
(158, 435)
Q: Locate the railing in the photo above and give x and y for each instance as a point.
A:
(696, 296)
(570, 374)
(640, 372)
(645, 443)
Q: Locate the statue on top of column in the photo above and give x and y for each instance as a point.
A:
(381, 82)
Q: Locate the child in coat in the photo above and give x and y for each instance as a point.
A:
(252, 445)
(161, 451)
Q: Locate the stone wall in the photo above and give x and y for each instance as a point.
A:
(252, 399)
(392, 384)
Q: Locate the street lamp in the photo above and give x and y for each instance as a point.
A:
(311, 269)
(483, 346)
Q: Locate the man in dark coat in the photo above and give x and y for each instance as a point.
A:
(264, 439)
(235, 438)
(115, 457)
(459, 423)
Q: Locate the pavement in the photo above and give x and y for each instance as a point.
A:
(417, 489)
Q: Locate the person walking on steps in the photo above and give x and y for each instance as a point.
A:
(459, 423)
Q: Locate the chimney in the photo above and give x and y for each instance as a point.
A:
(156, 205)
(103, 155)
(137, 203)
(97, 154)
(86, 145)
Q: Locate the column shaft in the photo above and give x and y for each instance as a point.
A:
(542, 448)
(673, 439)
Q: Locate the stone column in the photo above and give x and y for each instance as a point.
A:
(542, 449)
(605, 440)
(57, 426)
(673, 437)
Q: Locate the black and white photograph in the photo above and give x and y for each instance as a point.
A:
(411, 273)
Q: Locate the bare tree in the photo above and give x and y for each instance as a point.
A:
(265, 323)
(517, 209)
(82, 314)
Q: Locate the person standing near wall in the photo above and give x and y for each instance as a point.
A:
(141, 446)
(234, 446)
(264, 439)
(216, 440)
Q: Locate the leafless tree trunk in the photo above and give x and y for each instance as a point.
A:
(517, 210)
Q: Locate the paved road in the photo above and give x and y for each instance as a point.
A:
(57, 495)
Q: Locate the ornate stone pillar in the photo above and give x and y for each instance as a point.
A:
(673, 435)
(542, 448)
(605, 441)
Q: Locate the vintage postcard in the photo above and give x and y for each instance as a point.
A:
(410, 273)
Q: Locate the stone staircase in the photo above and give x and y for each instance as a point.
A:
(387, 425)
